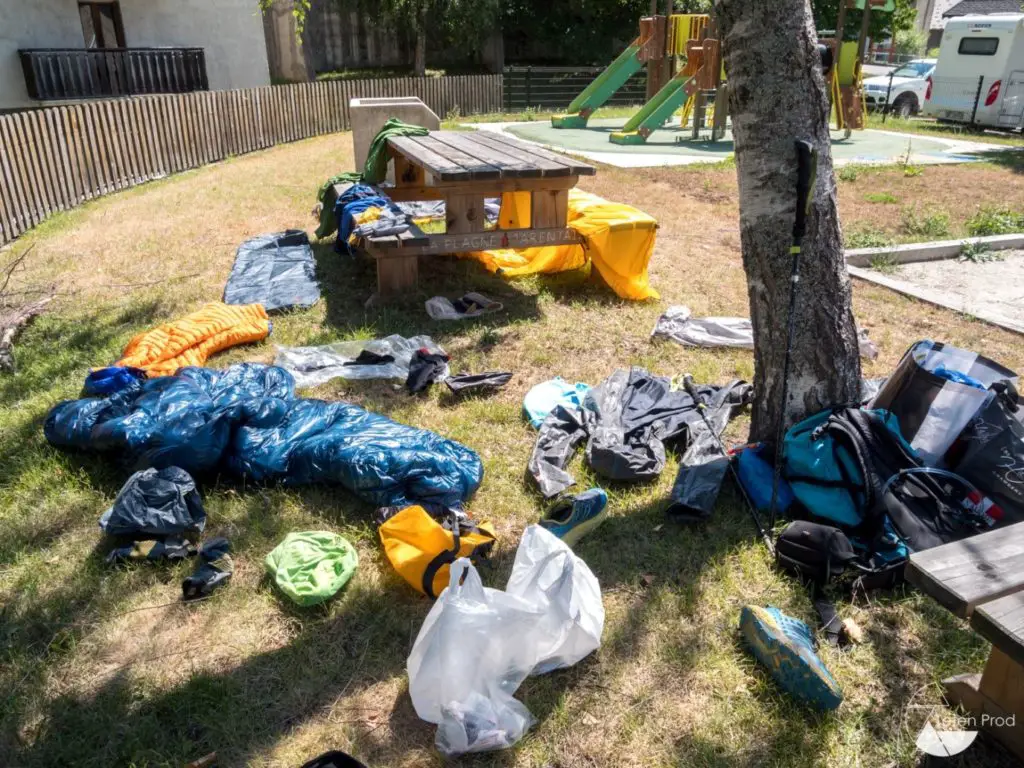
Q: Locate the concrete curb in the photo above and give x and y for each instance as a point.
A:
(859, 258)
(934, 251)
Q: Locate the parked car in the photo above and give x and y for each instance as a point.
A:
(980, 75)
(909, 85)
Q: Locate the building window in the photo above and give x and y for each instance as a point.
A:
(978, 46)
(101, 23)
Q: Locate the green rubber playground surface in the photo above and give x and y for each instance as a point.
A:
(662, 147)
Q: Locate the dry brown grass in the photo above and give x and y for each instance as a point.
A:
(264, 683)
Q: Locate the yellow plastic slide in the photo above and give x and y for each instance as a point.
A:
(619, 243)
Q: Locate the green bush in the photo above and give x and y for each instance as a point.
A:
(881, 197)
(929, 224)
(990, 220)
(848, 173)
(866, 237)
(978, 253)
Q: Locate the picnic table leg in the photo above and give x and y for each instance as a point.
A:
(994, 698)
(549, 208)
(464, 214)
(396, 274)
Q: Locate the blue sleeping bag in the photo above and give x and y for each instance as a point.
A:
(246, 420)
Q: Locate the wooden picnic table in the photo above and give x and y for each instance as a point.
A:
(982, 579)
(463, 169)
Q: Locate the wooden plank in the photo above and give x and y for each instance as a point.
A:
(491, 239)
(464, 213)
(97, 152)
(149, 138)
(61, 136)
(139, 143)
(470, 167)
(55, 149)
(42, 155)
(1001, 622)
(546, 166)
(33, 175)
(15, 167)
(162, 145)
(994, 699)
(509, 166)
(437, 165)
(397, 275)
(188, 128)
(963, 574)
(130, 142)
(578, 167)
(87, 173)
(233, 134)
(9, 186)
(438, 190)
(245, 115)
(113, 142)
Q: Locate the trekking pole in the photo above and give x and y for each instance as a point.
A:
(806, 172)
(691, 390)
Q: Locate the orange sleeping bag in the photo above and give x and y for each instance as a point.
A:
(193, 338)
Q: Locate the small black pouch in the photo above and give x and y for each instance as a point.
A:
(813, 552)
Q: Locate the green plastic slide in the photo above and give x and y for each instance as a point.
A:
(654, 113)
(600, 90)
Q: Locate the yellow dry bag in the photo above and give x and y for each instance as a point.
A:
(421, 549)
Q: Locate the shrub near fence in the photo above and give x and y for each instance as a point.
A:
(556, 87)
(56, 158)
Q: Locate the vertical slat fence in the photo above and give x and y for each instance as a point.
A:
(56, 158)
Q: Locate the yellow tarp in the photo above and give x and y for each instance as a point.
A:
(619, 243)
(193, 338)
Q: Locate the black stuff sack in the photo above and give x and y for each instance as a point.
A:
(993, 453)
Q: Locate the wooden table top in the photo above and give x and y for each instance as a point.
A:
(982, 578)
(484, 155)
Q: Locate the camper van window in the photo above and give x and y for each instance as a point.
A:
(978, 46)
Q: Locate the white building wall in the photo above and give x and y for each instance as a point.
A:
(230, 31)
(35, 24)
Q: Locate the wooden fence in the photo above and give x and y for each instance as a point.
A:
(56, 158)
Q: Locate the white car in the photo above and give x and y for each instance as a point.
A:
(909, 85)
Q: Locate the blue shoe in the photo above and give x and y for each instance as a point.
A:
(784, 645)
(573, 517)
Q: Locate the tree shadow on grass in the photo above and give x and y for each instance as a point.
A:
(1011, 159)
(347, 282)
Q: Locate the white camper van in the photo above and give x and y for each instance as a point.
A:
(989, 49)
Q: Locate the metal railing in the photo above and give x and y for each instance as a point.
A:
(79, 73)
(556, 87)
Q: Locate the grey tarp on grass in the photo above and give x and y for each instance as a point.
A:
(277, 270)
(312, 366)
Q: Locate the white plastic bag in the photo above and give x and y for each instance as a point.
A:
(547, 573)
(473, 651)
(477, 644)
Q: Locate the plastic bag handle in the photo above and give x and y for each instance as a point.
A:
(464, 580)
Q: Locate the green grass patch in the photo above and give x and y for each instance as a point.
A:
(881, 197)
(992, 220)
(866, 236)
(924, 224)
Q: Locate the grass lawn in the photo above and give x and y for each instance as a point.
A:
(104, 667)
(930, 127)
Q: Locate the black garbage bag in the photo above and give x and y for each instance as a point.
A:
(993, 458)
(465, 383)
(156, 502)
(701, 472)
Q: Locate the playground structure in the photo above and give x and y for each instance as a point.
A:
(690, 88)
(701, 79)
(846, 89)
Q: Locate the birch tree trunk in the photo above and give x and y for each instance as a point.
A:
(776, 96)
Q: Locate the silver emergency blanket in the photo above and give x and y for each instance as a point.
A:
(312, 366)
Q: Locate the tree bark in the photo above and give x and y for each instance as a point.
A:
(776, 96)
(420, 60)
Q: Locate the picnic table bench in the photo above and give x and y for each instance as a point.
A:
(982, 579)
(463, 169)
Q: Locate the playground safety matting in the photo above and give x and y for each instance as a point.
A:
(662, 148)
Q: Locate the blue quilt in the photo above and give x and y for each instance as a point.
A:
(246, 421)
